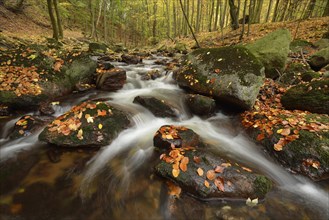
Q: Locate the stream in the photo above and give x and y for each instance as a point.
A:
(117, 182)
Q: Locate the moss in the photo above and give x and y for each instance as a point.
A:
(262, 185)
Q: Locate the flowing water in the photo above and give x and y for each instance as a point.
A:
(116, 182)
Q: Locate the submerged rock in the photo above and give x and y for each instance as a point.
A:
(200, 172)
(159, 108)
(90, 124)
(272, 50)
(111, 80)
(313, 97)
(230, 74)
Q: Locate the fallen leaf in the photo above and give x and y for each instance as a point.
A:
(175, 172)
(196, 159)
(206, 183)
(247, 169)
(100, 126)
(219, 182)
(79, 135)
(183, 167)
(251, 203)
(200, 171)
(211, 175)
(101, 112)
(173, 189)
(219, 169)
(260, 137)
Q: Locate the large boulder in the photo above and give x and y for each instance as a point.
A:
(298, 140)
(313, 97)
(272, 50)
(202, 173)
(90, 124)
(32, 75)
(230, 74)
(158, 107)
(97, 47)
(319, 59)
(111, 80)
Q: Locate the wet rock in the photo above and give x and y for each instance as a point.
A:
(229, 74)
(161, 62)
(200, 105)
(131, 59)
(205, 175)
(4, 110)
(28, 125)
(273, 57)
(118, 48)
(159, 108)
(111, 80)
(313, 97)
(298, 46)
(97, 47)
(90, 124)
(46, 108)
(319, 59)
(303, 149)
(151, 75)
(183, 137)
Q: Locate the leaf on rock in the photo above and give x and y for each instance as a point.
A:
(173, 189)
(175, 172)
(219, 182)
(206, 183)
(200, 171)
(260, 137)
(79, 135)
(196, 159)
(211, 175)
(100, 126)
(101, 112)
(219, 169)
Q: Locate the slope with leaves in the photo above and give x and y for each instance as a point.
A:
(298, 139)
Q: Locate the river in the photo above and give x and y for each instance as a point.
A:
(117, 182)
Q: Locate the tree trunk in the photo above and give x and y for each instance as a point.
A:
(275, 13)
(309, 10)
(249, 20)
(168, 17)
(186, 19)
(233, 14)
(216, 17)
(198, 16)
(284, 9)
(269, 11)
(243, 19)
(155, 7)
(326, 10)
(58, 18)
(175, 18)
(211, 15)
(52, 19)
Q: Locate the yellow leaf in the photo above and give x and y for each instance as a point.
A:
(206, 183)
(79, 135)
(100, 126)
(175, 172)
(200, 171)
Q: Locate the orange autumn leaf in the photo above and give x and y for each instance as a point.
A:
(211, 175)
(101, 112)
(183, 167)
(219, 169)
(173, 189)
(260, 137)
(219, 182)
(206, 183)
(196, 159)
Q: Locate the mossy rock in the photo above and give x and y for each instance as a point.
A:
(229, 74)
(97, 47)
(48, 82)
(307, 155)
(209, 176)
(90, 124)
(272, 50)
(297, 72)
(322, 43)
(298, 44)
(200, 105)
(319, 59)
(313, 97)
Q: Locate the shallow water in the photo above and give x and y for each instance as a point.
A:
(117, 182)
